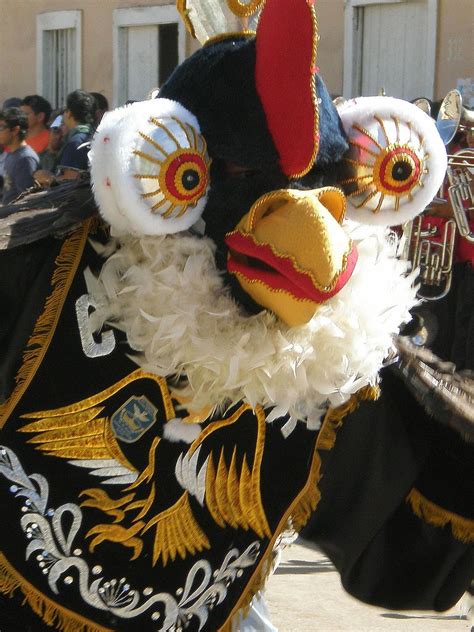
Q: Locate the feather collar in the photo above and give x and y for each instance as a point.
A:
(168, 297)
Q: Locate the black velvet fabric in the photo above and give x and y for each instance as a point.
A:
(65, 377)
(25, 274)
(454, 319)
(217, 85)
(387, 555)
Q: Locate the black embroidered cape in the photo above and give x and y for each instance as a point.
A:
(107, 523)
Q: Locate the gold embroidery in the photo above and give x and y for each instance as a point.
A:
(244, 9)
(66, 265)
(222, 499)
(335, 416)
(462, 528)
(149, 471)
(303, 505)
(232, 499)
(215, 425)
(121, 535)
(310, 500)
(176, 532)
(76, 431)
(379, 180)
(99, 499)
(230, 35)
(264, 566)
(314, 97)
(184, 13)
(211, 500)
(49, 611)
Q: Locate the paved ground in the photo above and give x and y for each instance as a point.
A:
(306, 571)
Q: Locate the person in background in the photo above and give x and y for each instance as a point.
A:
(57, 134)
(78, 118)
(101, 107)
(21, 161)
(38, 110)
(11, 102)
(3, 155)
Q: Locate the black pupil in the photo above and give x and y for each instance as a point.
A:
(190, 179)
(401, 170)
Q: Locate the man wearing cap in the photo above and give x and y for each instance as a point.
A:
(57, 133)
(78, 118)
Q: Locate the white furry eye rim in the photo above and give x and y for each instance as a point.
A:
(150, 168)
(396, 160)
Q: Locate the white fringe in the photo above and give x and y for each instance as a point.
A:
(169, 298)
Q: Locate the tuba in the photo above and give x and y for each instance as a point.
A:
(429, 247)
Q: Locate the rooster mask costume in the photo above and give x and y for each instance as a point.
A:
(210, 374)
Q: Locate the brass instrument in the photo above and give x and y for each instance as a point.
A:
(461, 189)
(434, 257)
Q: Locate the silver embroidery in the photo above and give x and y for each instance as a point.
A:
(53, 542)
(188, 477)
(91, 348)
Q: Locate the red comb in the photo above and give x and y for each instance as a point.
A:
(285, 79)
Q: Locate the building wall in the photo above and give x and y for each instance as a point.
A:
(18, 42)
(330, 15)
(455, 50)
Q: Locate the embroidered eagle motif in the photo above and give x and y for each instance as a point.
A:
(219, 471)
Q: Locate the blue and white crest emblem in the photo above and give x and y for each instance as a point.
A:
(133, 419)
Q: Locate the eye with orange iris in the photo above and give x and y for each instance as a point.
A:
(397, 170)
(172, 167)
(386, 168)
(183, 177)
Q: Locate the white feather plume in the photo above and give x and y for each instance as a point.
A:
(169, 298)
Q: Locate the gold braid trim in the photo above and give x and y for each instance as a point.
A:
(50, 612)
(299, 512)
(305, 503)
(335, 416)
(462, 528)
(66, 266)
(309, 501)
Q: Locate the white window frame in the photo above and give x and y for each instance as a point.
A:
(52, 21)
(352, 45)
(143, 16)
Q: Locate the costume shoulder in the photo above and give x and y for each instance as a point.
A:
(396, 510)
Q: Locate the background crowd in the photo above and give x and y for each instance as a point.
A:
(39, 146)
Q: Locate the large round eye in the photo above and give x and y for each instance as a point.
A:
(150, 168)
(172, 166)
(396, 158)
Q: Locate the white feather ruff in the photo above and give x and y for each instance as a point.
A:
(167, 295)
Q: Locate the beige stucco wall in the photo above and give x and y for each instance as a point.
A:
(455, 50)
(18, 42)
(331, 45)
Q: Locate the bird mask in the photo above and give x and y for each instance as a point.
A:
(253, 215)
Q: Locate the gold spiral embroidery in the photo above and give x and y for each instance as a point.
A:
(244, 9)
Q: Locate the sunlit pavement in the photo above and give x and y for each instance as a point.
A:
(305, 594)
